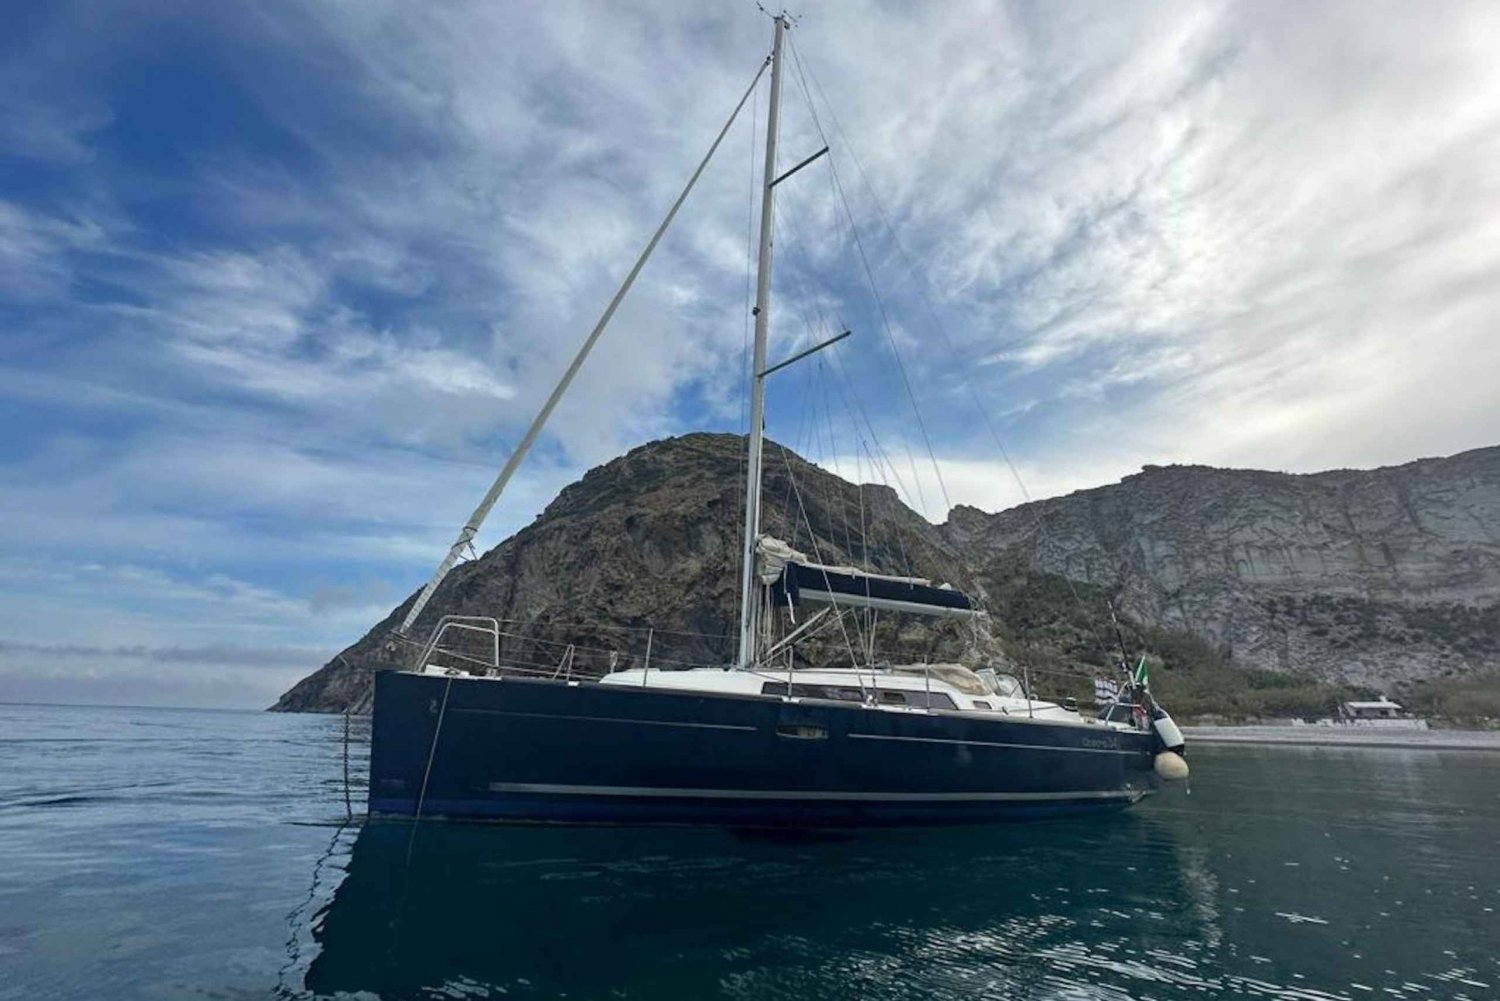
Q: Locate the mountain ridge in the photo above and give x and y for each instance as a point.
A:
(1290, 571)
(1373, 578)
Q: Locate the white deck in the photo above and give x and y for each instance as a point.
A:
(863, 686)
(922, 689)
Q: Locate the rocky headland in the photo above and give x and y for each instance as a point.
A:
(1289, 590)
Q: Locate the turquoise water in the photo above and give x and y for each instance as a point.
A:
(149, 853)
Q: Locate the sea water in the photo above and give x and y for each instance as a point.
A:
(151, 853)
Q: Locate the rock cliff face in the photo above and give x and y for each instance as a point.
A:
(1370, 577)
(651, 541)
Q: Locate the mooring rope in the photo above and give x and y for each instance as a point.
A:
(427, 773)
(348, 804)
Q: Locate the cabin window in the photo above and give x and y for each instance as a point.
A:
(835, 693)
(845, 693)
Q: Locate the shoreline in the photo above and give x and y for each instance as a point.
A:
(1326, 736)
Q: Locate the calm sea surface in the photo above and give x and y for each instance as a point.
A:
(149, 853)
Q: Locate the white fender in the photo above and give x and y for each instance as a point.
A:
(1171, 766)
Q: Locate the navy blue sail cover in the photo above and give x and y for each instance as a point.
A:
(800, 582)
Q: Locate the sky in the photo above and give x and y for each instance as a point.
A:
(282, 283)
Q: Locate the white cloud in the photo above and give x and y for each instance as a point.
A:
(1188, 234)
(1223, 233)
(35, 249)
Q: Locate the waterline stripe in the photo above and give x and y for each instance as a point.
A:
(608, 719)
(991, 743)
(810, 794)
(752, 729)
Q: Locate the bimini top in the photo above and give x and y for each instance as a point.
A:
(795, 579)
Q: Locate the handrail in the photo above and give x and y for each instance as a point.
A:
(491, 627)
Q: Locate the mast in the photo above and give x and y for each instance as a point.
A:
(749, 603)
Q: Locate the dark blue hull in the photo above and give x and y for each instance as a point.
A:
(560, 752)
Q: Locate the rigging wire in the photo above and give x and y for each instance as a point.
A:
(881, 462)
(803, 75)
(913, 499)
(816, 377)
(874, 289)
(809, 439)
(817, 553)
(601, 626)
(806, 433)
(513, 663)
(834, 451)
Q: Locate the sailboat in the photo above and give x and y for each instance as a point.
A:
(758, 742)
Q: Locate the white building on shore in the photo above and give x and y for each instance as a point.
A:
(1378, 713)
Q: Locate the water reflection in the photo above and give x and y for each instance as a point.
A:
(172, 853)
(1033, 910)
(1289, 873)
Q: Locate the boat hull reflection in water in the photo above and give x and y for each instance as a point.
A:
(596, 912)
(527, 750)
